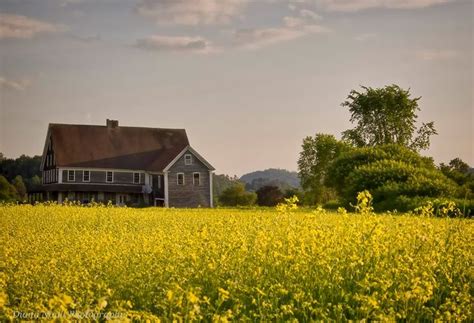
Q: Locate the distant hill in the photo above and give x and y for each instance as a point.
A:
(281, 178)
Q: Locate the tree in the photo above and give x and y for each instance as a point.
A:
(237, 196)
(459, 171)
(27, 167)
(386, 116)
(269, 196)
(222, 182)
(7, 191)
(19, 187)
(316, 157)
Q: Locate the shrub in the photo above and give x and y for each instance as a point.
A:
(237, 196)
(269, 195)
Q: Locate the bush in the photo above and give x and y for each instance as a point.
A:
(387, 179)
(389, 172)
(407, 204)
(237, 196)
(333, 205)
(350, 160)
(269, 196)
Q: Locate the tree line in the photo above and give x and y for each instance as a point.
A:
(18, 176)
(381, 154)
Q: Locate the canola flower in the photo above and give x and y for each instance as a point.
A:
(229, 264)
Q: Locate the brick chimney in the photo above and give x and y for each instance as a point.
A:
(112, 123)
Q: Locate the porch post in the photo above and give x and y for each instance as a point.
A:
(166, 188)
(211, 197)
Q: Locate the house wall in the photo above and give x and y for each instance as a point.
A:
(100, 177)
(188, 195)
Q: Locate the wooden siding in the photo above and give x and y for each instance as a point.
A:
(188, 195)
(100, 177)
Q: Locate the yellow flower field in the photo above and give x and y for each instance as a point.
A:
(233, 264)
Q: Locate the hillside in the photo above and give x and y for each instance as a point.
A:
(278, 177)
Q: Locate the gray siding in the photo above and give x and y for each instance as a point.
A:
(188, 195)
(100, 177)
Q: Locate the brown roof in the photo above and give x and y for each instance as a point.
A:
(117, 147)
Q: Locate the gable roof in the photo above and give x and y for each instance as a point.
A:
(116, 147)
(192, 151)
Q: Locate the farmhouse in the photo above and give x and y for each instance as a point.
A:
(125, 165)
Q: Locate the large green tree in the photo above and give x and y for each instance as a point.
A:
(386, 115)
(317, 155)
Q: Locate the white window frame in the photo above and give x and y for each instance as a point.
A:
(199, 179)
(84, 176)
(186, 159)
(107, 176)
(73, 175)
(134, 174)
(177, 179)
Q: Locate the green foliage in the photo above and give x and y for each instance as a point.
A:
(459, 171)
(25, 166)
(415, 204)
(353, 158)
(220, 183)
(237, 196)
(386, 116)
(316, 157)
(8, 192)
(269, 196)
(388, 172)
(19, 187)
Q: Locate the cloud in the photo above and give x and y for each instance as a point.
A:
(191, 12)
(356, 5)
(293, 27)
(14, 26)
(436, 54)
(13, 85)
(176, 44)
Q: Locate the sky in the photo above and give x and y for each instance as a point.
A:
(248, 80)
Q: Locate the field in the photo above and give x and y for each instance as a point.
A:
(233, 264)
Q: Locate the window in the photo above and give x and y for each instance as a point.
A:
(71, 176)
(110, 177)
(188, 159)
(196, 179)
(159, 181)
(180, 178)
(86, 176)
(136, 178)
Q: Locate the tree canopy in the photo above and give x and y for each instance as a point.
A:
(386, 115)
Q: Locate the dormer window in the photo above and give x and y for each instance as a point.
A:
(86, 176)
(188, 159)
(71, 176)
(110, 177)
